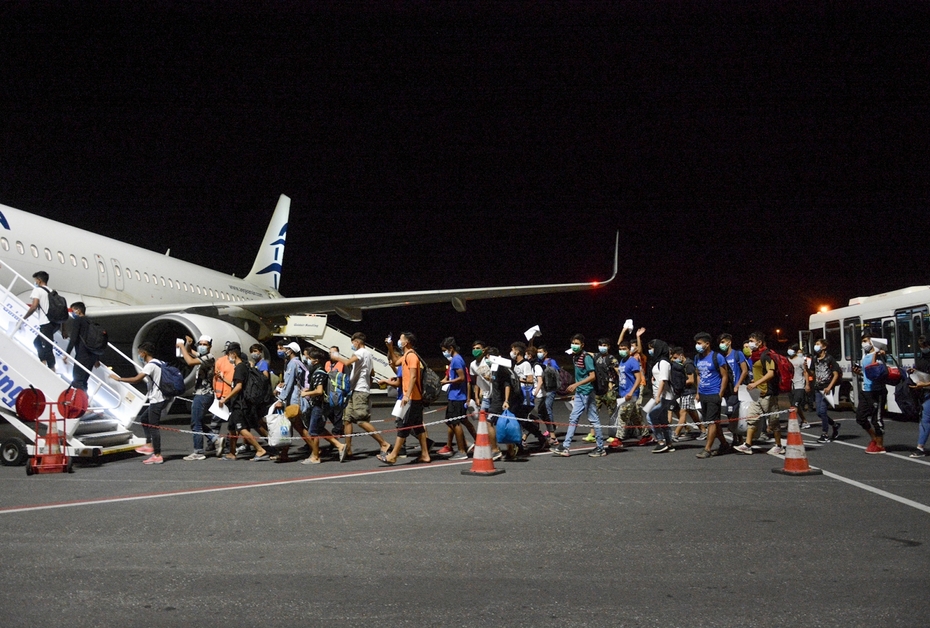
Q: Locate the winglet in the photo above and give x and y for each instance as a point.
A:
(597, 284)
(266, 270)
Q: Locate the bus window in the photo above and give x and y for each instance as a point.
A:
(905, 330)
(833, 338)
(873, 326)
(851, 348)
(888, 333)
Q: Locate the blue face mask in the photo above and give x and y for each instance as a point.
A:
(699, 348)
(399, 345)
(602, 349)
(74, 315)
(540, 356)
(281, 354)
(447, 355)
(202, 350)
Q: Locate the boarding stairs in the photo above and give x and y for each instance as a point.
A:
(106, 426)
(316, 330)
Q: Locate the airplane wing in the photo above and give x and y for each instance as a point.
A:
(351, 306)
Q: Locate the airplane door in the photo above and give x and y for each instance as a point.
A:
(117, 275)
(102, 275)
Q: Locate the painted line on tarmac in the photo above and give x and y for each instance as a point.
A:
(878, 491)
(862, 447)
(232, 487)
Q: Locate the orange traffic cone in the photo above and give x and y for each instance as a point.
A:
(481, 463)
(795, 456)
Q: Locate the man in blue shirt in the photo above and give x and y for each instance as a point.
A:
(711, 382)
(741, 373)
(457, 395)
(868, 412)
(631, 378)
(584, 402)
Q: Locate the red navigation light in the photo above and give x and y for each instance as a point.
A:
(595, 284)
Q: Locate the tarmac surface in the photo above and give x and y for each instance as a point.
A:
(630, 539)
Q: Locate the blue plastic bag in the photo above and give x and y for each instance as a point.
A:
(508, 429)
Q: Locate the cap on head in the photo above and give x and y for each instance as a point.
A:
(293, 346)
(205, 338)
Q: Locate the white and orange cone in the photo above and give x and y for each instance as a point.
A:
(795, 456)
(482, 463)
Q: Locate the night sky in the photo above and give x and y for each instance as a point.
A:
(760, 159)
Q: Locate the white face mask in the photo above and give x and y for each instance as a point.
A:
(818, 348)
(866, 346)
(753, 346)
(792, 352)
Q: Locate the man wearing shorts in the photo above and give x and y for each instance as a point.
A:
(411, 403)
(358, 407)
(712, 381)
(457, 382)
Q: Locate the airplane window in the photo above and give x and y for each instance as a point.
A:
(211, 293)
(138, 276)
(128, 273)
(146, 275)
(184, 283)
(5, 244)
(118, 273)
(35, 251)
(73, 260)
(19, 247)
(84, 262)
(170, 285)
(61, 257)
(101, 267)
(198, 289)
(162, 280)
(48, 255)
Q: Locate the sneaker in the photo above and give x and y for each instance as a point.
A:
(776, 451)
(804, 425)
(874, 449)
(824, 439)
(497, 456)
(646, 440)
(703, 454)
(445, 451)
(611, 440)
(616, 444)
(146, 450)
(471, 450)
(661, 448)
(219, 442)
(241, 449)
(919, 453)
(597, 453)
(590, 438)
(743, 449)
(460, 456)
(836, 431)
(194, 456)
(701, 436)
(560, 451)
(723, 449)
(153, 459)
(764, 438)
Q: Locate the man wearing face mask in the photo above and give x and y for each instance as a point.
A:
(631, 379)
(826, 373)
(739, 374)
(798, 382)
(583, 402)
(545, 393)
(763, 380)
(83, 356)
(358, 407)
(871, 397)
(457, 395)
(605, 382)
(712, 381)
(151, 414)
(200, 358)
(412, 399)
(522, 403)
(481, 375)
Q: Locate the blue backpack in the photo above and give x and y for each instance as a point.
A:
(172, 380)
(338, 388)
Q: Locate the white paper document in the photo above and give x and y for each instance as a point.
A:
(400, 411)
(628, 324)
(221, 412)
(833, 398)
(649, 406)
(532, 332)
(919, 378)
(745, 394)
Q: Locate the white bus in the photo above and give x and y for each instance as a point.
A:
(899, 317)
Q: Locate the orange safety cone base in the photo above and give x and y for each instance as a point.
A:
(795, 455)
(811, 471)
(482, 464)
(484, 473)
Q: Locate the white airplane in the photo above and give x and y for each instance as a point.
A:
(140, 295)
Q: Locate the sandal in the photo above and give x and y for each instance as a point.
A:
(383, 458)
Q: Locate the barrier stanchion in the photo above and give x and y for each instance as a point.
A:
(482, 463)
(795, 456)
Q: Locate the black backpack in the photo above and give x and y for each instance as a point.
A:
(904, 396)
(729, 391)
(602, 374)
(550, 378)
(678, 378)
(257, 388)
(57, 307)
(95, 337)
(430, 386)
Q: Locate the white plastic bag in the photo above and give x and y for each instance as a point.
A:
(279, 430)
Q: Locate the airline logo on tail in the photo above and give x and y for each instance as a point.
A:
(275, 267)
(3, 222)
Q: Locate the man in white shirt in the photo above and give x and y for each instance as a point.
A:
(39, 306)
(358, 407)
